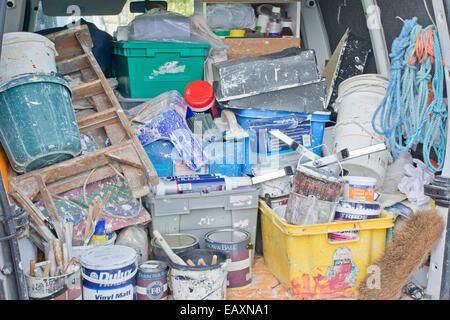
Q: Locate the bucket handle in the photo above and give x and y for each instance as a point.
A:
(109, 282)
(361, 126)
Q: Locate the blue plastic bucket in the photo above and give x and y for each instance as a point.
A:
(316, 130)
(109, 273)
(38, 127)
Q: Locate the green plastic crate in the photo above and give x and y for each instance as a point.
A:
(145, 69)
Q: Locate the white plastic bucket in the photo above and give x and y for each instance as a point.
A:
(109, 273)
(358, 98)
(24, 53)
(360, 188)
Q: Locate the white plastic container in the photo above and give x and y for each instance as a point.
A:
(360, 188)
(24, 53)
(135, 237)
(109, 273)
(358, 98)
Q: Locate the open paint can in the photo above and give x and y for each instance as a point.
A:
(109, 273)
(199, 282)
(151, 280)
(178, 242)
(347, 210)
(236, 243)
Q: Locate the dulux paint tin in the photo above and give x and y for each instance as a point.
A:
(178, 242)
(109, 273)
(348, 210)
(151, 280)
(236, 243)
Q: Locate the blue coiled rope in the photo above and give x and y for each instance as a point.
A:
(406, 119)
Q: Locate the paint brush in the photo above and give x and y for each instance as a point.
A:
(201, 262)
(65, 255)
(87, 228)
(32, 266)
(51, 257)
(46, 270)
(68, 230)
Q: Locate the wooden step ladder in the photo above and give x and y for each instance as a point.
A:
(125, 155)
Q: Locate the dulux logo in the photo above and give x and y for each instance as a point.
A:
(119, 275)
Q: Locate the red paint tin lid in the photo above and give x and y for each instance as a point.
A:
(199, 95)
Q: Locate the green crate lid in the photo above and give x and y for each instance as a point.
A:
(158, 45)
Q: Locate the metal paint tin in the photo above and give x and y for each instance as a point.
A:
(109, 273)
(178, 242)
(236, 243)
(353, 211)
(151, 281)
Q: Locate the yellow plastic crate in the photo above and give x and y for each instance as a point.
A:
(313, 267)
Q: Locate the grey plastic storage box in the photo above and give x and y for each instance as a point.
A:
(198, 214)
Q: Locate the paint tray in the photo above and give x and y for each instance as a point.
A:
(248, 76)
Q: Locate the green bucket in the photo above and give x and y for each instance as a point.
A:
(37, 122)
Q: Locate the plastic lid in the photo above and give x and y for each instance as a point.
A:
(199, 94)
(276, 9)
(108, 257)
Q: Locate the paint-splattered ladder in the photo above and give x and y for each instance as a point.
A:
(125, 154)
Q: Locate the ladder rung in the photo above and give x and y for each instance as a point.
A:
(87, 90)
(74, 64)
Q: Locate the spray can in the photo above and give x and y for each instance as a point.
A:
(99, 235)
(200, 183)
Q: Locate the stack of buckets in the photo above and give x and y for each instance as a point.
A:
(37, 121)
(358, 98)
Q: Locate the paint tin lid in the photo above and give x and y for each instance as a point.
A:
(228, 236)
(108, 257)
(319, 174)
(199, 95)
(177, 240)
(153, 266)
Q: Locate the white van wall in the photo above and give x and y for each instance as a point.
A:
(15, 10)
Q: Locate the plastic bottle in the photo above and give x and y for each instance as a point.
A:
(275, 22)
(135, 237)
(99, 235)
(286, 28)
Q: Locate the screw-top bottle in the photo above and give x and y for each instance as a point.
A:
(275, 22)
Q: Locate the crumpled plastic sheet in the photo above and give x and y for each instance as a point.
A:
(412, 184)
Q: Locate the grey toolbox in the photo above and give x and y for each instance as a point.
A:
(199, 213)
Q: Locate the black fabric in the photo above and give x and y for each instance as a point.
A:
(102, 49)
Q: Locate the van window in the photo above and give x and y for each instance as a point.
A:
(108, 23)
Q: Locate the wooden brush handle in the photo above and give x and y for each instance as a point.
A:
(71, 263)
(201, 262)
(46, 270)
(214, 260)
(189, 262)
(58, 252)
(32, 266)
(87, 229)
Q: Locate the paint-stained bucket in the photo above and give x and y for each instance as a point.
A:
(65, 287)
(199, 283)
(178, 242)
(109, 273)
(236, 243)
(358, 98)
(151, 280)
(26, 52)
(360, 188)
(353, 211)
